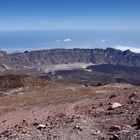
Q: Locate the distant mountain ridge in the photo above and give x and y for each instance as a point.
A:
(38, 59)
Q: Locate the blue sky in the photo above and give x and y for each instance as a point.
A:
(70, 14)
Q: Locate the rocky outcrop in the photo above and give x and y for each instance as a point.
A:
(60, 56)
(38, 59)
(10, 84)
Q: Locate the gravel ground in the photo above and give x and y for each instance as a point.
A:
(107, 115)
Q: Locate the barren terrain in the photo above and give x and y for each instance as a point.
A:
(69, 66)
(71, 112)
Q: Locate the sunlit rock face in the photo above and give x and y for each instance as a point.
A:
(35, 61)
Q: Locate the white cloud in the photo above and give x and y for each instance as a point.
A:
(67, 40)
(123, 48)
(103, 40)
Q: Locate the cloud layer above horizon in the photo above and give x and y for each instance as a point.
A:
(124, 48)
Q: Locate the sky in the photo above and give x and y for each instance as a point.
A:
(69, 14)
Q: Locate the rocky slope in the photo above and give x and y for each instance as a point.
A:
(11, 84)
(34, 61)
(72, 112)
(104, 65)
(97, 74)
